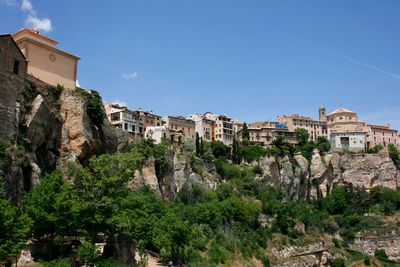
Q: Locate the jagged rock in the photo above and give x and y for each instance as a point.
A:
(368, 242)
(270, 168)
(302, 176)
(146, 176)
(121, 248)
(79, 134)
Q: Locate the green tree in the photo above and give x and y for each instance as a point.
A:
(14, 229)
(394, 154)
(245, 135)
(236, 157)
(198, 152)
(302, 136)
(253, 152)
(4, 154)
(323, 144)
(219, 149)
(51, 207)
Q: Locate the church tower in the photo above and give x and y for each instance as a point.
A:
(322, 113)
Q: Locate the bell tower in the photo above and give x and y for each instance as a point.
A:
(322, 113)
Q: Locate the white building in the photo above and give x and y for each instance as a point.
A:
(346, 130)
(125, 119)
(157, 133)
(224, 131)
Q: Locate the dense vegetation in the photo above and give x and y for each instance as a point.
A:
(199, 228)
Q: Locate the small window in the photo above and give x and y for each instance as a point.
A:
(16, 67)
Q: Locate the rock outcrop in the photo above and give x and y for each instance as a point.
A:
(303, 179)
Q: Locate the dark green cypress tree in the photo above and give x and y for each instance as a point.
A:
(197, 144)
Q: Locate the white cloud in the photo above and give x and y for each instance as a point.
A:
(33, 21)
(27, 6)
(129, 76)
(9, 2)
(39, 24)
(77, 84)
(120, 103)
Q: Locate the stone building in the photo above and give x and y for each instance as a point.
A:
(224, 131)
(45, 61)
(346, 130)
(180, 128)
(157, 133)
(12, 60)
(264, 132)
(125, 119)
(382, 135)
(316, 128)
(149, 119)
(204, 127)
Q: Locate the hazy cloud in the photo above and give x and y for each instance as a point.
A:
(129, 76)
(120, 103)
(32, 20)
(9, 2)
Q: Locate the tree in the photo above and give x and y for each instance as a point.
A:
(219, 149)
(245, 135)
(14, 229)
(236, 157)
(99, 186)
(323, 144)
(302, 136)
(198, 152)
(51, 207)
(394, 154)
(252, 153)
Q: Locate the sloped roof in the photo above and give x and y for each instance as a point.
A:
(341, 110)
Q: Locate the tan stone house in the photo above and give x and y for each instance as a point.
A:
(180, 129)
(46, 62)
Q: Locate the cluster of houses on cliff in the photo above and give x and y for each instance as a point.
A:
(30, 55)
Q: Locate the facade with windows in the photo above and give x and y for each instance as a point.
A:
(46, 62)
(315, 128)
(180, 129)
(264, 132)
(124, 118)
(12, 60)
(149, 119)
(382, 135)
(346, 130)
(224, 127)
(157, 133)
(204, 127)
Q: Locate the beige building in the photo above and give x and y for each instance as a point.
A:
(180, 128)
(224, 131)
(149, 119)
(157, 133)
(204, 127)
(316, 128)
(45, 61)
(346, 131)
(125, 119)
(382, 135)
(264, 132)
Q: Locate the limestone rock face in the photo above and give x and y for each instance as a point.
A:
(304, 180)
(79, 135)
(146, 176)
(371, 241)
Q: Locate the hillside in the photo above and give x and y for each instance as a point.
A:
(70, 178)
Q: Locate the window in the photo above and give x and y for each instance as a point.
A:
(126, 126)
(16, 67)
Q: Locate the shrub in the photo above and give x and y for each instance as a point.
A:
(219, 149)
(258, 170)
(94, 106)
(226, 170)
(253, 153)
(88, 253)
(338, 262)
(381, 254)
(367, 261)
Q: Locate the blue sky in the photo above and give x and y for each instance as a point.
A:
(252, 60)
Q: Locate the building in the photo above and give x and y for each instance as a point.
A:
(157, 133)
(224, 131)
(237, 125)
(264, 132)
(124, 118)
(316, 128)
(45, 61)
(346, 130)
(204, 127)
(149, 119)
(382, 135)
(12, 60)
(180, 128)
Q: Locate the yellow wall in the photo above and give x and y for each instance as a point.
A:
(62, 70)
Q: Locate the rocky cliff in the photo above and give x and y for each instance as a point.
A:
(44, 127)
(303, 179)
